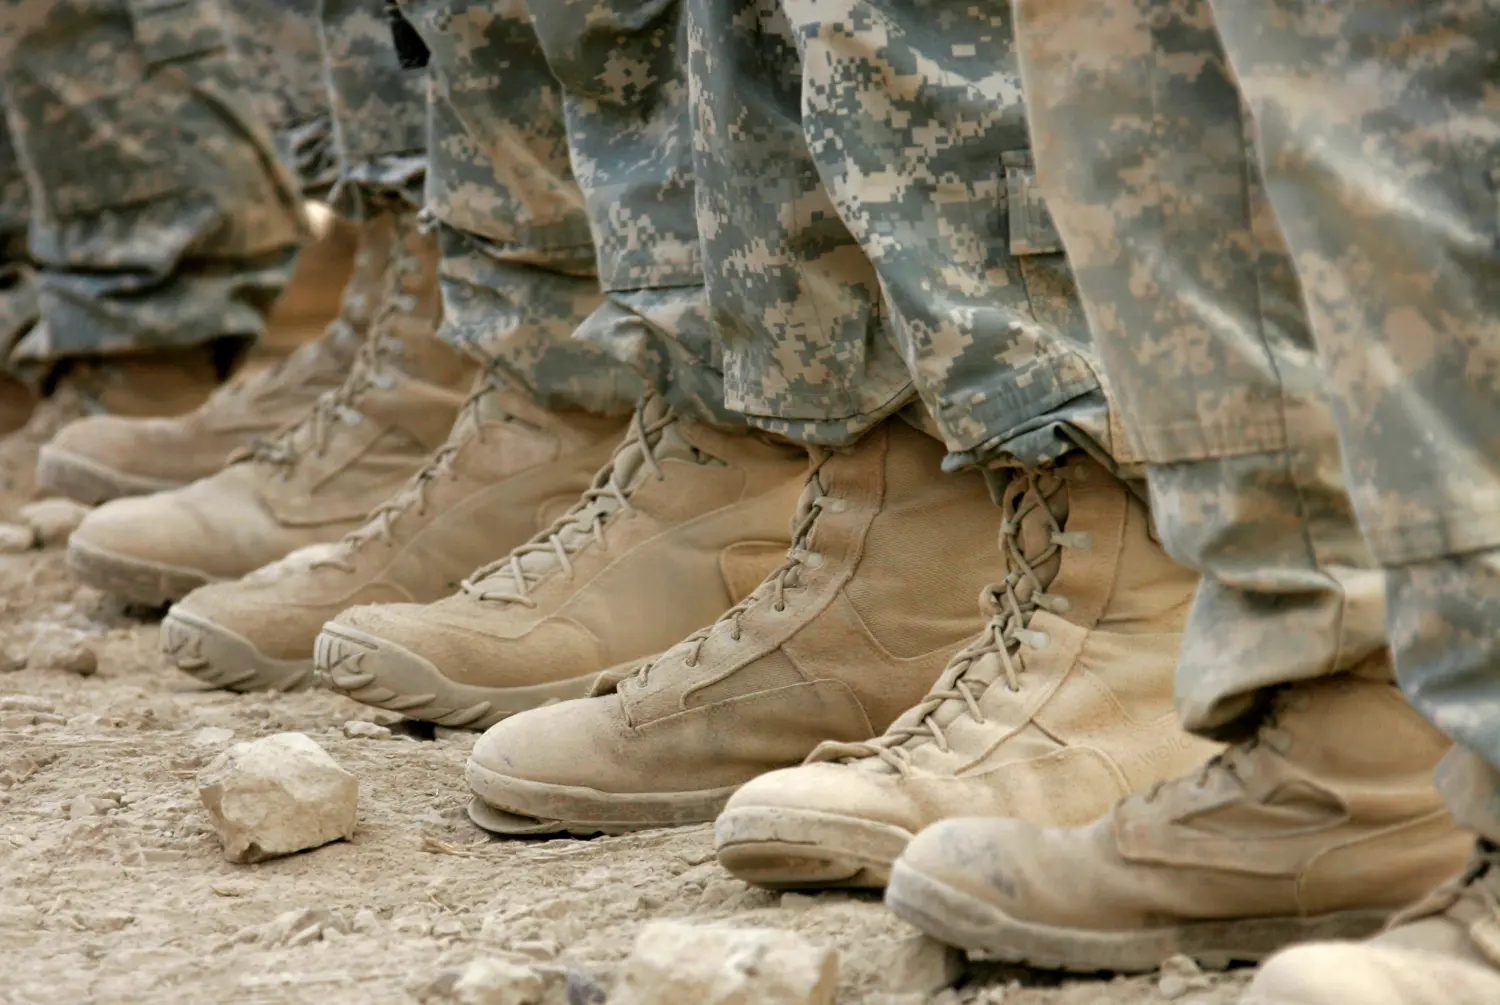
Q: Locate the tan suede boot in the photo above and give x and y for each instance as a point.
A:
(1443, 951)
(1062, 705)
(1318, 827)
(682, 522)
(313, 483)
(507, 471)
(874, 597)
(103, 457)
(167, 382)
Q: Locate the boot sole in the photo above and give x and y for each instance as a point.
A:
(135, 580)
(785, 848)
(87, 481)
(956, 918)
(509, 805)
(225, 660)
(376, 672)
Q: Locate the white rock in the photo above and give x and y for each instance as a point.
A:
(53, 520)
(211, 736)
(61, 650)
(924, 965)
(278, 795)
(679, 964)
(358, 729)
(15, 539)
(498, 982)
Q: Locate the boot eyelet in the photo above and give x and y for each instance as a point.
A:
(778, 608)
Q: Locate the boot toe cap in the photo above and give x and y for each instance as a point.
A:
(1341, 973)
(566, 744)
(831, 789)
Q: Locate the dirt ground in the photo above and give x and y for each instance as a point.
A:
(115, 888)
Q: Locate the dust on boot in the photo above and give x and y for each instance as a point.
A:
(508, 470)
(682, 522)
(1319, 826)
(312, 483)
(851, 629)
(1061, 705)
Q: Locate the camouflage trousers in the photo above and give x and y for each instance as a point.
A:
(156, 214)
(275, 43)
(378, 110)
(872, 232)
(518, 271)
(1372, 128)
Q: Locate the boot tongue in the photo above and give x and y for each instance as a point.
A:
(631, 467)
(1036, 509)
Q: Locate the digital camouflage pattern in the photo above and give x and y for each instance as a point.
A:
(378, 109)
(281, 63)
(629, 131)
(518, 270)
(845, 150)
(1377, 137)
(159, 216)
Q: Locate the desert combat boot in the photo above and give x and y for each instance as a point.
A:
(316, 480)
(1443, 951)
(874, 597)
(1319, 826)
(683, 521)
(508, 470)
(1059, 707)
(102, 457)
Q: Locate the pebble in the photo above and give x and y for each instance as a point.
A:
(57, 650)
(212, 736)
(498, 982)
(683, 964)
(16, 539)
(923, 965)
(53, 520)
(358, 729)
(278, 795)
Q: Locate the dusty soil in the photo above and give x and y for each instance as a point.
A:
(115, 888)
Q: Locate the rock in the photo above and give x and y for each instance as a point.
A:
(304, 925)
(14, 539)
(924, 965)
(53, 520)
(365, 921)
(358, 729)
(277, 795)
(211, 736)
(59, 650)
(1178, 976)
(498, 982)
(680, 964)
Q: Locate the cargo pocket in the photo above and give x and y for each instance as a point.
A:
(1038, 249)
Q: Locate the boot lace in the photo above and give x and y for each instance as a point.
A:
(381, 523)
(786, 577)
(995, 654)
(371, 369)
(583, 524)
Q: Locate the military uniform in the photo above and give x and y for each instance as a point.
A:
(1233, 297)
(173, 227)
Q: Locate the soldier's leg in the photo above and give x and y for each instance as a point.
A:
(1387, 198)
(160, 218)
(689, 513)
(1196, 312)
